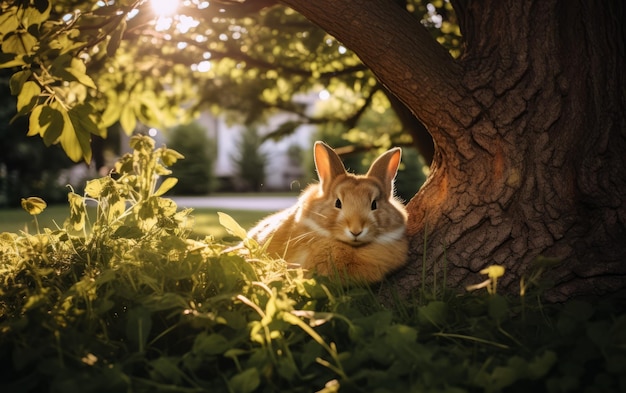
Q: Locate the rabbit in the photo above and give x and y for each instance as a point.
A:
(347, 226)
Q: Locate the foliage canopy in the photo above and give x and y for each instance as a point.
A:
(80, 66)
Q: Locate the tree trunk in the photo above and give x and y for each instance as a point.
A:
(529, 130)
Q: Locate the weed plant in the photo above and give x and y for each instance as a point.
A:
(129, 303)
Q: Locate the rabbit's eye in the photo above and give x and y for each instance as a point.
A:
(374, 205)
(338, 203)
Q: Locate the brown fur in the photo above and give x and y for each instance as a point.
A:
(353, 241)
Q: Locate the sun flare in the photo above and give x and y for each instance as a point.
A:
(164, 7)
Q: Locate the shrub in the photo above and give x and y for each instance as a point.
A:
(129, 303)
(195, 173)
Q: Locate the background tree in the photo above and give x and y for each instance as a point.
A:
(195, 172)
(250, 161)
(528, 123)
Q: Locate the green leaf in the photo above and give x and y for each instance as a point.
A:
(69, 69)
(81, 117)
(497, 307)
(36, 15)
(167, 206)
(94, 188)
(502, 377)
(170, 157)
(77, 211)
(138, 326)
(166, 186)
(166, 301)
(28, 96)
(141, 143)
(541, 365)
(34, 128)
(246, 381)
(128, 120)
(8, 21)
(166, 369)
(33, 205)
(17, 81)
(127, 232)
(75, 142)
(116, 38)
(434, 312)
(65, 41)
(376, 322)
(401, 338)
(147, 210)
(79, 71)
(117, 206)
(50, 123)
(49, 115)
(10, 60)
(112, 111)
(232, 226)
(18, 42)
(213, 344)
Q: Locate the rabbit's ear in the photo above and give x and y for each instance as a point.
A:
(385, 168)
(327, 163)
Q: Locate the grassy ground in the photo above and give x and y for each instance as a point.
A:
(206, 222)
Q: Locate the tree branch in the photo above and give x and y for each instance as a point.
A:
(422, 75)
(236, 54)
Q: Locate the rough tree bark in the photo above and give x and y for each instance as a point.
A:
(529, 129)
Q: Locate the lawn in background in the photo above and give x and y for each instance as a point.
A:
(205, 220)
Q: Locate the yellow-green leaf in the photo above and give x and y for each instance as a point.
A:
(94, 188)
(34, 126)
(166, 186)
(117, 206)
(79, 71)
(8, 21)
(77, 211)
(18, 79)
(128, 120)
(170, 157)
(19, 43)
(110, 115)
(142, 143)
(493, 271)
(232, 226)
(75, 143)
(33, 16)
(81, 116)
(28, 95)
(51, 123)
(116, 39)
(33, 205)
(10, 60)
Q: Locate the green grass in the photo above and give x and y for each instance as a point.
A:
(15, 220)
(205, 220)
